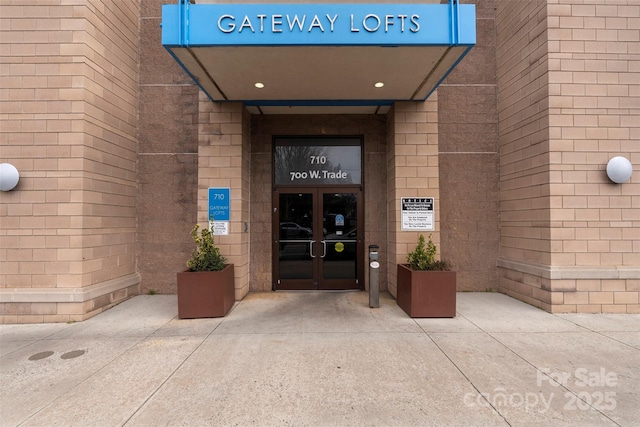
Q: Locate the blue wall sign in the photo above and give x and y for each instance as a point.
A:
(219, 204)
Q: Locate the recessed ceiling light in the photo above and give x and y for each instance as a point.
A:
(379, 84)
(259, 85)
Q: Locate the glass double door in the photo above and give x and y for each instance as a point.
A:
(318, 239)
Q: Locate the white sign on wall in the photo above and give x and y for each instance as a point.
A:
(417, 214)
(219, 228)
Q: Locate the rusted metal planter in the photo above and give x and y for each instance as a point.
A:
(426, 293)
(205, 293)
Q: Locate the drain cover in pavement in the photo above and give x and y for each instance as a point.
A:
(41, 355)
(72, 354)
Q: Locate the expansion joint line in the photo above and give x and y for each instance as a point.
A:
(153, 393)
(537, 370)
(462, 372)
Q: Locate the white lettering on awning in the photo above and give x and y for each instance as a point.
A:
(370, 23)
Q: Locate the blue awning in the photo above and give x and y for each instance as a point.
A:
(318, 54)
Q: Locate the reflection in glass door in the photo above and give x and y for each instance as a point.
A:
(295, 240)
(319, 239)
(339, 264)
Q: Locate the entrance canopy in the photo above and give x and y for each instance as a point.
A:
(280, 58)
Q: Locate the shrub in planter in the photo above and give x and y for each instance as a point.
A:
(426, 286)
(423, 258)
(206, 256)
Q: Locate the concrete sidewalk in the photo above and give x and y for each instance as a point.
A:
(316, 359)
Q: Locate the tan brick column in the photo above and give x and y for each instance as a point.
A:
(68, 112)
(412, 171)
(224, 151)
(569, 83)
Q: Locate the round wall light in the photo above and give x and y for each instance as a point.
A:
(379, 84)
(619, 169)
(259, 85)
(9, 177)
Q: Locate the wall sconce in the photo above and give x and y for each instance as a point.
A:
(619, 169)
(9, 177)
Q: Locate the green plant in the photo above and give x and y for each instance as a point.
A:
(206, 256)
(424, 257)
(152, 292)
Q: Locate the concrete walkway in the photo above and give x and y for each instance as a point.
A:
(323, 359)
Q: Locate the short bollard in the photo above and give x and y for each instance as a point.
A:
(374, 284)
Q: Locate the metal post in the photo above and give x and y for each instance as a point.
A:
(374, 284)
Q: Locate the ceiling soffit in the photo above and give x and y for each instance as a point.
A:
(318, 55)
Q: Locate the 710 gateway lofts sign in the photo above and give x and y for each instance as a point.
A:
(219, 210)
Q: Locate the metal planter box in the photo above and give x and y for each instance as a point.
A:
(205, 293)
(426, 293)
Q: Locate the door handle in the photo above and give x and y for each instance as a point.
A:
(311, 242)
(324, 249)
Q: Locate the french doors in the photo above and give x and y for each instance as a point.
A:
(318, 238)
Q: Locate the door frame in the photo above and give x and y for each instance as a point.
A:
(317, 282)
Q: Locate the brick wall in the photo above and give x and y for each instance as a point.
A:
(569, 101)
(594, 115)
(224, 162)
(468, 151)
(68, 92)
(412, 171)
(167, 159)
(523, 127)
(522, 62)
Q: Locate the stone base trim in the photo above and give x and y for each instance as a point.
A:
(68, 294)
(571, 273)
(64, 304)
(572, 289)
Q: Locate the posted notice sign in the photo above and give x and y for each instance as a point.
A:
(417, 214)
(219, 228)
